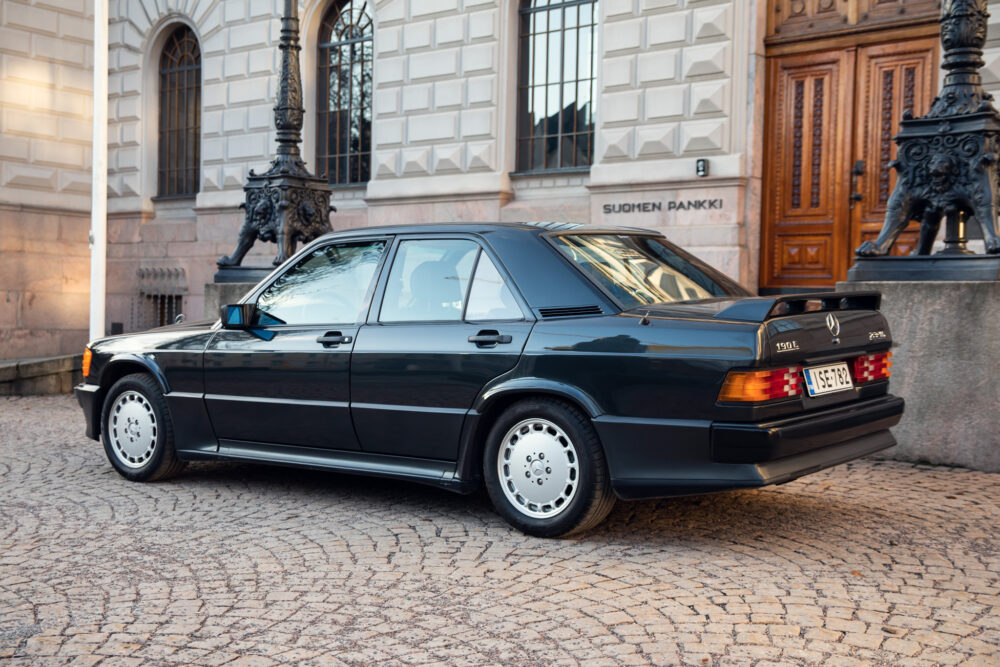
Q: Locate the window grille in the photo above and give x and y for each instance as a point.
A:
(557, 47)
(159, 310)
(344, 86)
(179, 154)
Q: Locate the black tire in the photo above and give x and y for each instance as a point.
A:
(152, 455)
(592, 499)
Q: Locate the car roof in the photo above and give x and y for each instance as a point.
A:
(480, 227)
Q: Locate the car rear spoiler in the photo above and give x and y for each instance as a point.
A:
(765, 308)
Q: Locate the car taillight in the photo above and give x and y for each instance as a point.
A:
(757, 386)
(869, 367)
(87, 354)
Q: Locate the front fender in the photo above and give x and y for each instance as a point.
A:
(147, 361)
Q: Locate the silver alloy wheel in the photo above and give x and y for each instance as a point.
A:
(538, 467)
(132, 429)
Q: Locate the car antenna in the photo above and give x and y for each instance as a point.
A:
(645, 319)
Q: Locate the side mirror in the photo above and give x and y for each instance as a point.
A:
(238, 316)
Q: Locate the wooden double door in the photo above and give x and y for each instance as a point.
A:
(830, 119)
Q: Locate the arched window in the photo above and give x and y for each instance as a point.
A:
(555, 84)
(344, 86)
(179, 156)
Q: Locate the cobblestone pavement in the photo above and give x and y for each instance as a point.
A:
(870, 563)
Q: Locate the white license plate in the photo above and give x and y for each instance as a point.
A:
(827, 379)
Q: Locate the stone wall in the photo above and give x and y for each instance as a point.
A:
(45, 129)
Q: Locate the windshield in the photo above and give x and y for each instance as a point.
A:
(641, 270)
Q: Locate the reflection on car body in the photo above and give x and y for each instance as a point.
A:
(562, 366)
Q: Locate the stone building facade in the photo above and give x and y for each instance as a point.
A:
(679, 110)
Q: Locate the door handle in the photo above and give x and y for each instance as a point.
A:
(857, 170)
(333, 338)
(489, 338)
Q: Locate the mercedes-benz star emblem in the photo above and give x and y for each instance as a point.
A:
(833, 324)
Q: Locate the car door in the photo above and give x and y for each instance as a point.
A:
(448, 321)
(287, 381)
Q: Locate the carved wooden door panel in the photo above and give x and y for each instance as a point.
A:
(808, 141)
(891, 78)
(830, 118)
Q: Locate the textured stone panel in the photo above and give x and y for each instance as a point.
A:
(389, 131)
(448, 157)
(416, 97)
(417, 35)
(482, 25)
(656, 140)
(449, 30)
(701, 136)
(657, 66)
(622, 35)
(704, 60)
(712, 21)
(666, 102)
(432, 128)
(477, 123)
(387, 101)
(427, 7)
(388, 40)
(478, 58)
(617, 143)
(391, 70)
(620, 107)
(615, 8)
(664, 29)
(482, 90)
(433, 64)
(710, 97)
(386, 163)
(448, 94)
(618, 72)
(416, 161)
(946, 338)
(481, 156)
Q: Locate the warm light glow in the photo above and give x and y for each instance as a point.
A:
(87, 354)
(759, 386)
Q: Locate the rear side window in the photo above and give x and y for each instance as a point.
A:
(429, 281)
(490, 298)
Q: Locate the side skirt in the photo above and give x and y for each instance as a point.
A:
(424, 471)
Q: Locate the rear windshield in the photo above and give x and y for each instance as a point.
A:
(641, 270)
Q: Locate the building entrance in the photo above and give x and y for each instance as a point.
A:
(835, 97)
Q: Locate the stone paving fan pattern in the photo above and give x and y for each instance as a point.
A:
(870, 563)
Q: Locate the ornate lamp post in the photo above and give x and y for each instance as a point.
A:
(286, 204)
(947, 162)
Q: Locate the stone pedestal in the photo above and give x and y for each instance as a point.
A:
(946, 364)
(218, 295)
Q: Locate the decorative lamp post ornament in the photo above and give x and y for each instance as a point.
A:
(286, 204)
(947, 162)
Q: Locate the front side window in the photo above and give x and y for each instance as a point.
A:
(429, 281)
(328, 286)
(179, 154)
(555, 88)
(344, 86)
(641, 270)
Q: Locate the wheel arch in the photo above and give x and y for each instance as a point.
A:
(492, 403)
(118, 367)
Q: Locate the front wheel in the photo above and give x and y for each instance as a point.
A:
(136, 430)
(545, 470)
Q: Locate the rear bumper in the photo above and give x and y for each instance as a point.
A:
(86, 396)
(660, 458)
(781, 438)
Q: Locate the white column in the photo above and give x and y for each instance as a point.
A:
(99, 173)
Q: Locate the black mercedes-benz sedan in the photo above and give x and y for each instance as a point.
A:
(560, 365)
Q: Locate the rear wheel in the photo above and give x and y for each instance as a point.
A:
(545, 470)
(136, 430)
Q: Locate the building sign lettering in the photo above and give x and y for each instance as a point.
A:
(653, 206)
